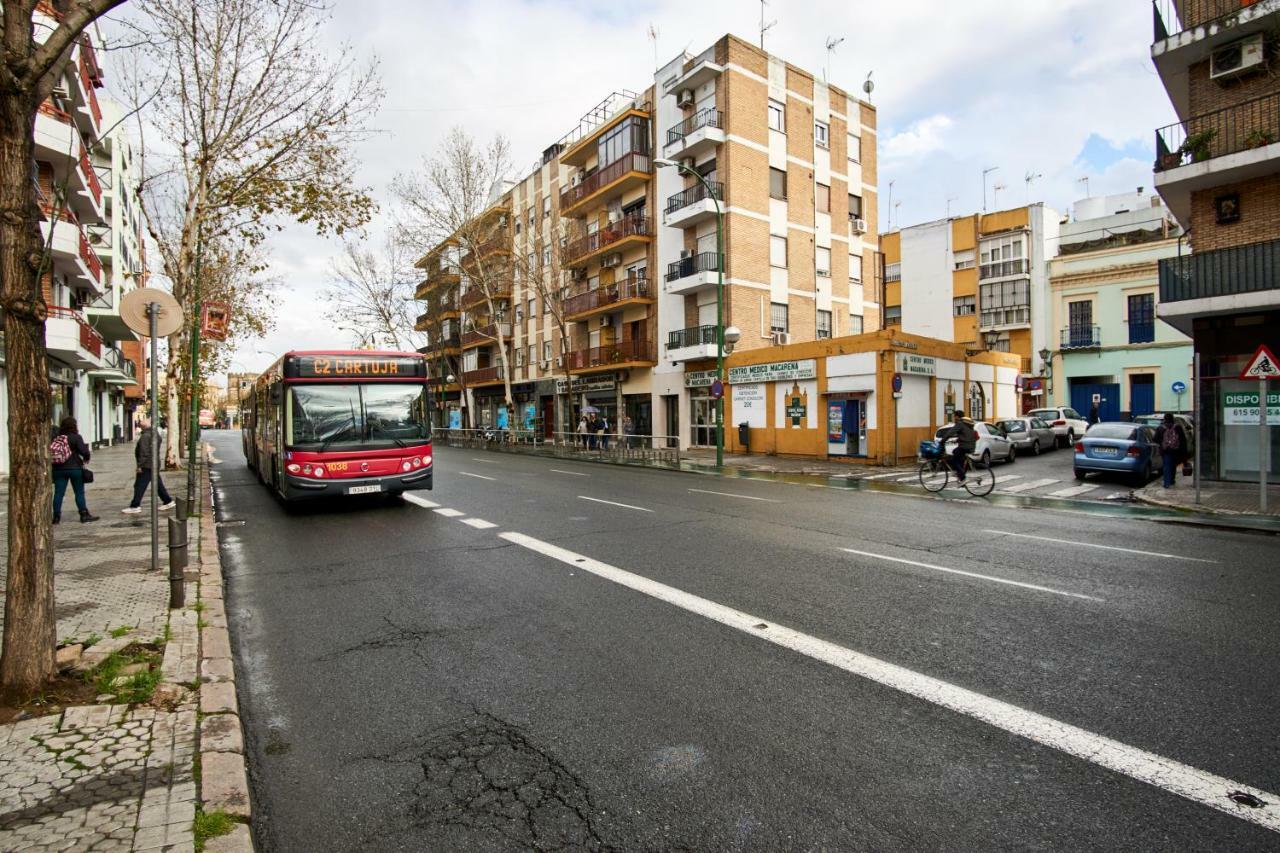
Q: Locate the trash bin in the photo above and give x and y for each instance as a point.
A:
(744, 435)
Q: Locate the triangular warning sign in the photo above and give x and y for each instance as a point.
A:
(1263, 365)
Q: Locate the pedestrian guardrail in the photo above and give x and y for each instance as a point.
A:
(598, 446)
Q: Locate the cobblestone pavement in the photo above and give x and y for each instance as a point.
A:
(1230, 498)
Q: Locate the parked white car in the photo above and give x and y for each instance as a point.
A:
(1067, 423)
(992, 443)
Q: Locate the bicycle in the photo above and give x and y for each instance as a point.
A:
(936, 471)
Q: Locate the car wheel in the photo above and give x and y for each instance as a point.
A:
(1035, 447)
(1071, 437)
(986, 459)
(1080, 475)
(1013, 454)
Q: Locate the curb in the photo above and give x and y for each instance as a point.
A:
(224, 779)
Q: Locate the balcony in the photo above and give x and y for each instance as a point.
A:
(476, 296)
(694, 343)
(116, 369)
(608, 297)
(104, 315)
(1222, 147)
(495, 245)
(1240, 278)
(483, 376)
(691, 274)
(693, 205)
(93, 187)
(1001, 269)
(70, 338)
(700, 132)
(622, 174)
(71, 253)
(632, 228)
(486, 335)
(1081, 337)
(1189, 31)
(635, 352)
(999, 318)
(701, 69)
(445, 345)
(440, 275)
(89, 106)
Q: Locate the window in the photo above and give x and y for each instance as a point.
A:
(519, 358)
(1003, 343)
(893, 272)
(778, 251)
(824, 324)
(631, 135)
(855, 324)
(964, 259)
(893, 315)
(546, 350)
(824, 198)
(777, 184)
(533, 354)
(1005, 303)
(528, 216)
(517, 227)
(855, 148)
(533, 308)
(1004, 256)
(1080, 317)
(855, 269)
(531, 262)
(1142, 318)
(855, 206)
(519, 313)
(546, 207)
(777, 116)
(823, 261)
(546, 257)
(777, 317)
(821, 134)
(963, 306)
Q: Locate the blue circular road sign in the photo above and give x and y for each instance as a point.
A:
(717, 389)
(897, 382)
(1179, 387)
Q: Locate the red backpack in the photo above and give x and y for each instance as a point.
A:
(60, 449)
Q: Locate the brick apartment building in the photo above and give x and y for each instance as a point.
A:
(791, 161)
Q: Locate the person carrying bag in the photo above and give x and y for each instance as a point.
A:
(70, 453)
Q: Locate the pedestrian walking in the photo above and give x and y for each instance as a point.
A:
(1094, 417)
(70, 454)
(629, 430)
(143, 455)
(1171, 438)
(602, 428)
(582, 430)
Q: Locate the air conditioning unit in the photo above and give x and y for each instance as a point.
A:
(543, 364)
(686, 253)
(1237, 58)
(613, 260)
(604, 322)
(684, 98)
(781, 338)
(687, 162)
(858, 226)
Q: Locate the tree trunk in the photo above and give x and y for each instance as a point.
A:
(30, 629)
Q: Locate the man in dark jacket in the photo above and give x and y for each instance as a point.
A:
(68, 444)
(142, 453)
(966, 441)
(1171, 438)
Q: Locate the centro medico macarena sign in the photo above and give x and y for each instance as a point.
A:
(777, 371)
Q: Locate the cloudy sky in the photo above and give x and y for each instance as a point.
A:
(1062, 90)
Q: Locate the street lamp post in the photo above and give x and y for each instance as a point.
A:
(721, 335)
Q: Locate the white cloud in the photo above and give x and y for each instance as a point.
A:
(922, 137)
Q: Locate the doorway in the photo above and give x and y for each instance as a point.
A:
(1142, 394)
(702, 422)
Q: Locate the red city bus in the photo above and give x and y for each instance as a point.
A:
(320, 424)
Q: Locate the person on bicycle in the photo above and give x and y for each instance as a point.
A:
(966, 440)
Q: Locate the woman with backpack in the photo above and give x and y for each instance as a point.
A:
(69, 454)
(1171, 438)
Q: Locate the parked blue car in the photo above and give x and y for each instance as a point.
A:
(1118, 448)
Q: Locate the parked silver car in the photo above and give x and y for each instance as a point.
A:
(991, 444)
(1028, 434)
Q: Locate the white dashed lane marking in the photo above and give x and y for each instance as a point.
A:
(477, 476)
(448, 513)
(613, 503)
(975, 575)
(1103, 547)
(422, 502)
(478, 523)
(731, 495)
(570, 473)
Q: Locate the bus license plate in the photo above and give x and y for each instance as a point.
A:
(363, 490)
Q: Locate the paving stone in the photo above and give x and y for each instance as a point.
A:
(68, 656)
(217, 697)
(214, 643)
(217, 669)
(221, 733)
(223, 785)
(239, 840)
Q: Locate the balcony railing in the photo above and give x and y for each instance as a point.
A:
(1176, 16)
(628, 226)
(1251, 124)
(692, 337)
(634, 349)
(630, 287)
(439, 273)
(90, 59)
(444, 342)
(694, 194)
(90, 340)
(89, 93)
(701, 262)
(1000, 269)
(496, 243)
(475, 296)
(487, 334)
(1224, 272)
(633, 162)
(697, 121)
(90, 258)
(90, 176)
(1005, 317)
(114, 359)
(49, 109)
(1081, 337)
(483, 374)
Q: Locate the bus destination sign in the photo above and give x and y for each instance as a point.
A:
(347, 366)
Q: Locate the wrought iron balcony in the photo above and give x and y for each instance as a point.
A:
(1223, 272)
(487, 335)
(1081, 337)
(483, 375)
(701, 262)
(602, 297)
(692, 337)
(633, 225)
(1251, 124)
(700, 119)
(590, 185)
(694, 194)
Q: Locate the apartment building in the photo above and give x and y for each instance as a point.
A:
(1104, 294)
(1218, 170)
(978, 280)
(615, 268)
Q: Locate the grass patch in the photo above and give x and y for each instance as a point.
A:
(136, 687)
(93, 640)
(117, 633)
(210, 825)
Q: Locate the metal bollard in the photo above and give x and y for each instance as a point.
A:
(180, 508)
(177, 562)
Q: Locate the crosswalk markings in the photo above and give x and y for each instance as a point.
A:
(1073, 491)
(1028, 485)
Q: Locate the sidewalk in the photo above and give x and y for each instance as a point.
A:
(1215, 497)
(120, 774)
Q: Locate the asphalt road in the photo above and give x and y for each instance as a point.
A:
(557, 655)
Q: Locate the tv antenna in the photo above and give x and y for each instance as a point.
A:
(890, 205)
(832, 44)
(986, 172)
(995, 195)
(868, 86)
(653, 37)
(1085, 181)
(1028, 180)
(897, 216)
(949, 200)
(764, 28)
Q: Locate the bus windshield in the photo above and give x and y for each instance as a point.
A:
(367, 417)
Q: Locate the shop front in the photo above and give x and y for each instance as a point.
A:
(1228, 406)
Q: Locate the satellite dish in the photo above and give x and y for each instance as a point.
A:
(134, 311)
(868, 86)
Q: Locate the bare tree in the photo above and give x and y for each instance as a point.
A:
(30, 66)
(253, 123)
(370, 294)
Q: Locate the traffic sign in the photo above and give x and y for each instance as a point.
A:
(717, 389)
(1263, 365)
(1179, 387)
(897, 382)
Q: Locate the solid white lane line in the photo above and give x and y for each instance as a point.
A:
(731, 495)
(478, 523)
(1036, 587)
(882, 476)
(422, 502)
(485, 461)
(1028, 485)
(448, 513)
(613, 503)
(1164, 773)
(1104, 547)
(477, 476)
(1073, 491)
(570, 473)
